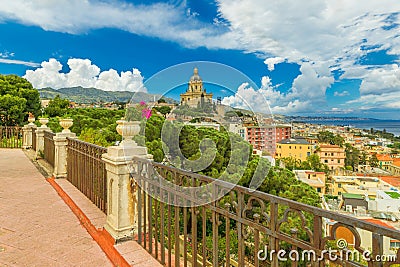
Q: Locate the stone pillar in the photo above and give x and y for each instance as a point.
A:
(27, 132)
(60, 149)
(27, 136)
(40, 135)
(39, 140)
(121, 210)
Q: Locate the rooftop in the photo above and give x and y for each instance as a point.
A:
(384, 157)
(299, 141)
(352, 196)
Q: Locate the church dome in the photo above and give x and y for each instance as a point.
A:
(195, 76)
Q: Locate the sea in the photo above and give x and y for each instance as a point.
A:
(391, 126)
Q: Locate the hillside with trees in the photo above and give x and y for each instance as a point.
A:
(92, 95)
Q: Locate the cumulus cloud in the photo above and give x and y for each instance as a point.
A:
(381, 81)
(308, 91)
(331, 35)
(83, 73)
(272, 61)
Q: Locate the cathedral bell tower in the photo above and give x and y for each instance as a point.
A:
(195, 94)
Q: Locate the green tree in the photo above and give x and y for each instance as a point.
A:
(330, 138)
(163, 110)
(57, 107)
(373, 161)
(12, 110)
(18, 87)
(352, 156)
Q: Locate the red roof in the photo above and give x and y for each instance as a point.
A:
(392, 180)
(385, 157)
(379, 222)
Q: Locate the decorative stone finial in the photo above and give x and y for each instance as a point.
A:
(128, 129)
(43, 122)
(66, 123)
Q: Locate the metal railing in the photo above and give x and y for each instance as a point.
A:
(34, 139)
(86, 171)
(49, 148)
(10, 137)
(232, 230)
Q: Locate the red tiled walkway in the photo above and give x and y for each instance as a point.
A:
(36, 227)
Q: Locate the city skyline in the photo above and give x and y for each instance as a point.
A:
(314, 58)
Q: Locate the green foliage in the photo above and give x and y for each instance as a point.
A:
(11, 109)
(57, 107)
(18, 97)
(330, 138)
(93, 136)
(313, 162)
(163, 110)
(373, 161)
(352, 156)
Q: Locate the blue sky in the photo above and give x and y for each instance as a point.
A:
(318, 57)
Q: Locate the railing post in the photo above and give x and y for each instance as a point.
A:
(40, 135)
(121, 220)
(27, 133)
(60, 150)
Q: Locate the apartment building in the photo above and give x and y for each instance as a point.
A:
(332, 155)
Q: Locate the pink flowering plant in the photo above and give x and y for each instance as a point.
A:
(138, 112)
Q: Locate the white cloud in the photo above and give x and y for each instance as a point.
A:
(272, 61)
(8, 58)
(161, 20)
(381, 81)
(331, 35)
(18, 62)
(341, 94)
(83, 73)
(307, 93)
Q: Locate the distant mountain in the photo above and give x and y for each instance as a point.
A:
(92, 95)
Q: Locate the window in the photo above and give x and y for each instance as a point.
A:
(394, 244)
(338, 161)
(319, 190)
(326, 154)
(290, 147)
(326, 161)
(339, 185)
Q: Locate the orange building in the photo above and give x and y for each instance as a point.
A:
(332, 155)
(394, 168)
(384, 161)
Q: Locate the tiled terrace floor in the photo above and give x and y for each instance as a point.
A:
(38, 229)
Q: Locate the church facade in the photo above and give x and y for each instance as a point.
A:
(195, 95)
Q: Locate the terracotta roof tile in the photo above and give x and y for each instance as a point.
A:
(379, 222)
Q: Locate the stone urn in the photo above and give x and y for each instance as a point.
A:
(128, 129)
(66, 124)
(43, 122)
(31, 119)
